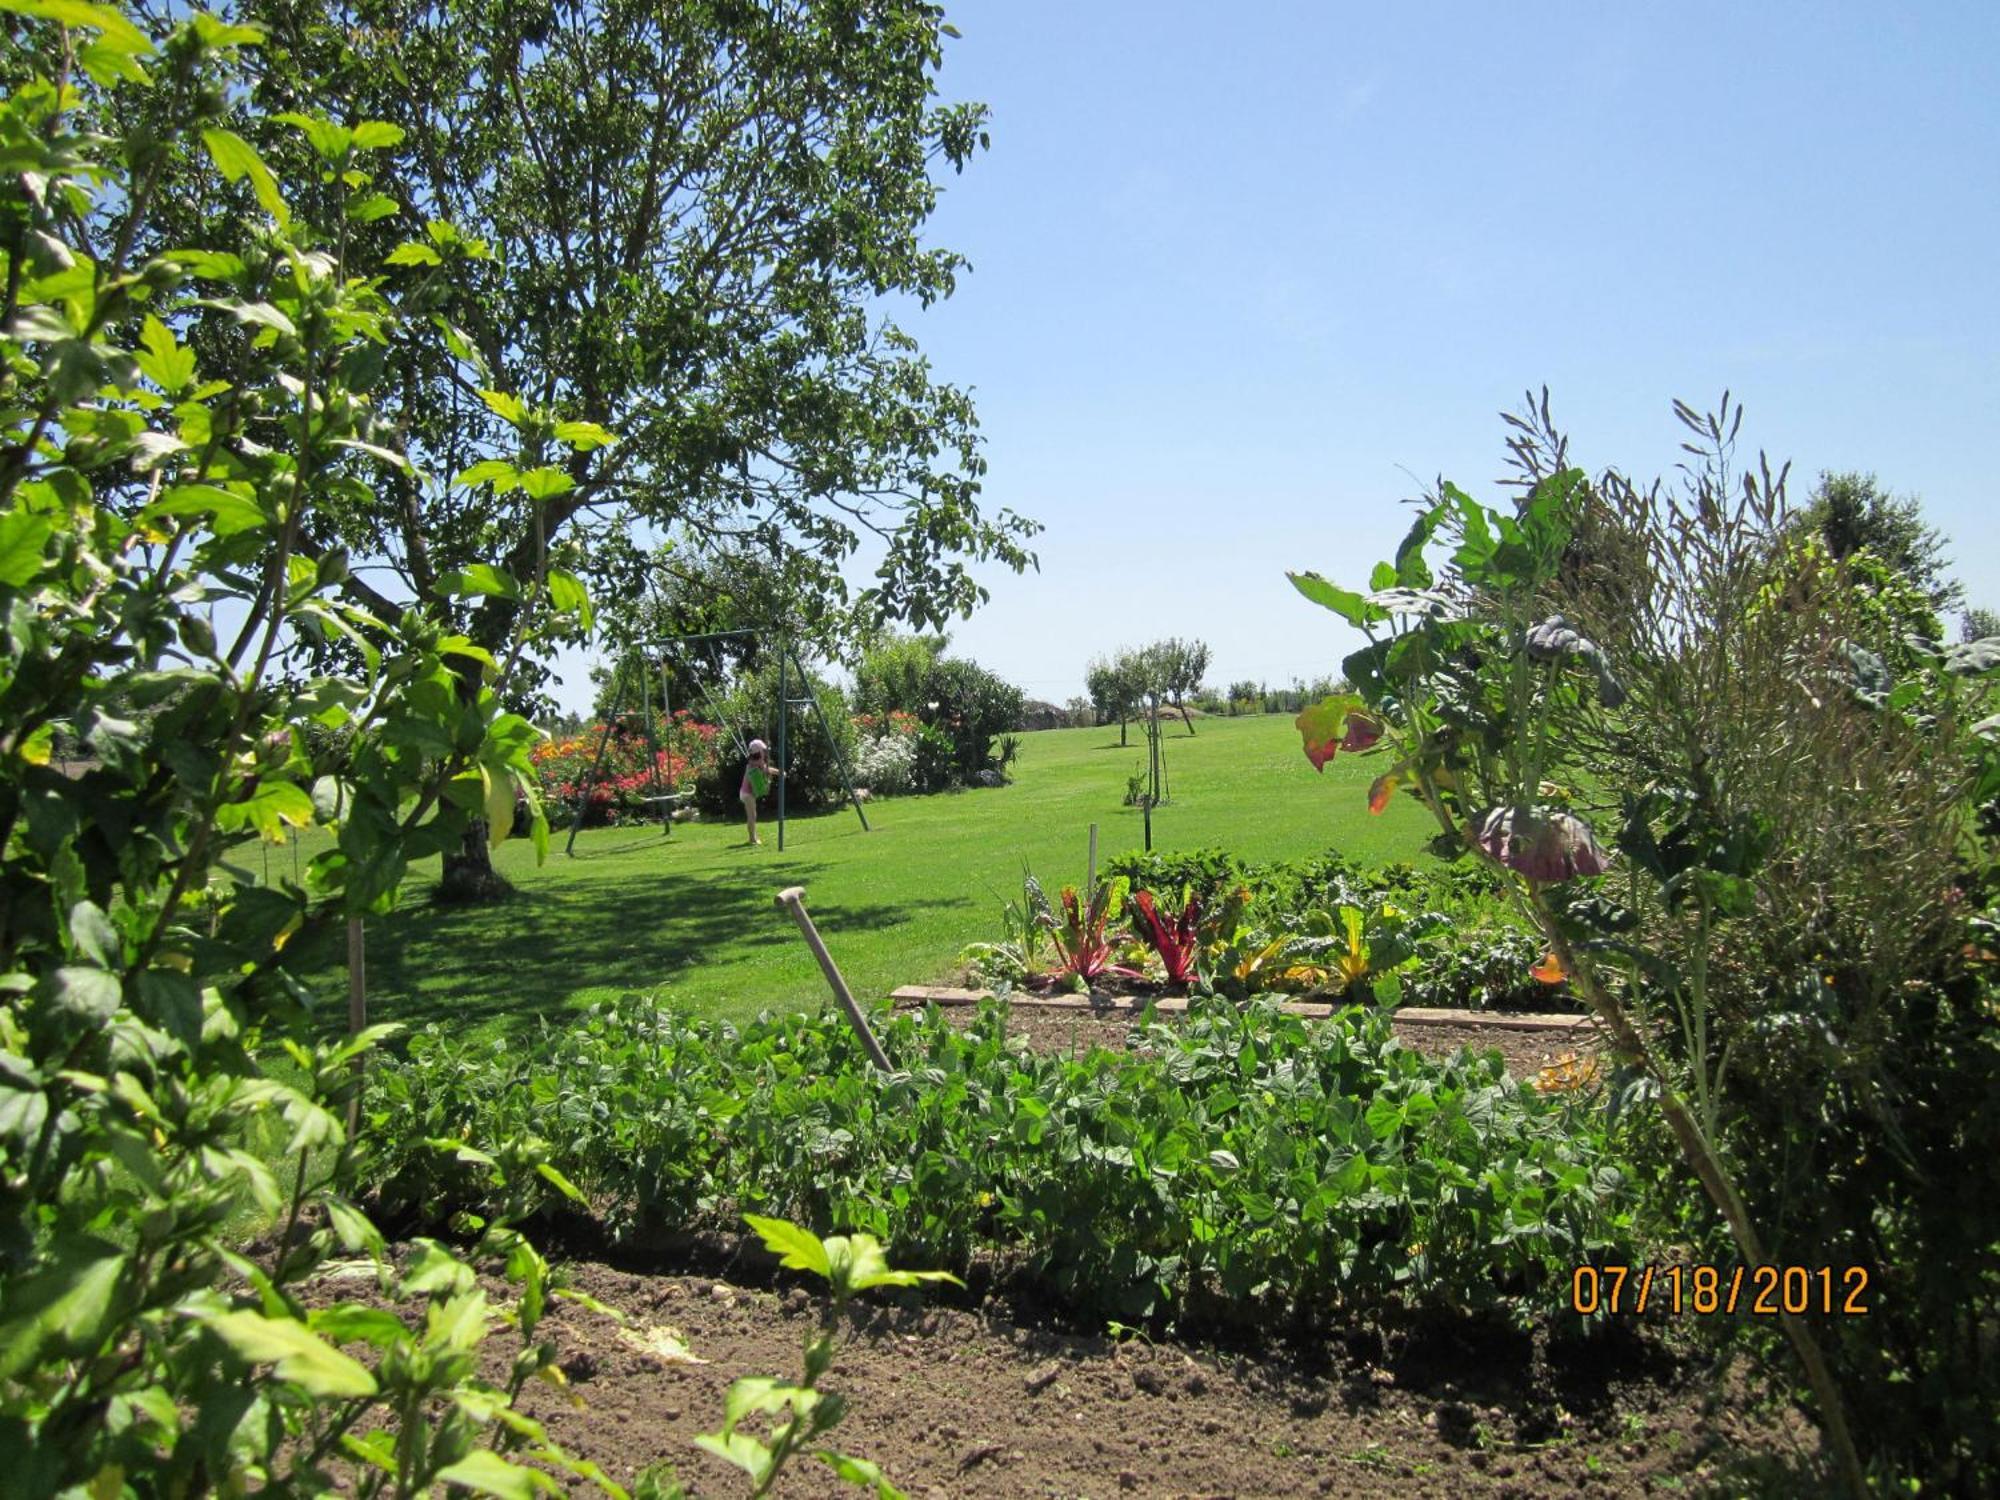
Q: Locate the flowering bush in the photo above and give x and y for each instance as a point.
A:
(631, 770)
(887, 765)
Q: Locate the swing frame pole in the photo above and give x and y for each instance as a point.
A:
(826, 728)
(596, 764)
(784, 715)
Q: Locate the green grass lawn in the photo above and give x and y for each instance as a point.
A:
(693, 917)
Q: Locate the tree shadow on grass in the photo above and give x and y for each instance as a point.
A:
(512, 963)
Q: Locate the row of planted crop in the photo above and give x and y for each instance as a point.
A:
(1240, 1158)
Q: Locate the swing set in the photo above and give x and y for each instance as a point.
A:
(663, 795)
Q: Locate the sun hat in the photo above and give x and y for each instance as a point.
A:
(757, 747)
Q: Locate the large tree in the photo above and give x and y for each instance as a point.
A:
(1851, 512)
(684, 226)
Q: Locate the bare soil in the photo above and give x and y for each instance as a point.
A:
(966, 1401)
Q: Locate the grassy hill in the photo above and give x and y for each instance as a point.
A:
(693, 914)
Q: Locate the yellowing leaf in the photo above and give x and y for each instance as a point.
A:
(661, 1343)
(1549, 970)
(499, 804)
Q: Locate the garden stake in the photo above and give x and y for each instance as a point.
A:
(357, 1013)
(793, 899)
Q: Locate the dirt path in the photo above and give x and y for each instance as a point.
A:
(967, 1402)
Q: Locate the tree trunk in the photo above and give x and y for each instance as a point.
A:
(1185, 719)
(1121, 734)
(469, 875)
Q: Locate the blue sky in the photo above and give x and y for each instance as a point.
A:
(1246, 277)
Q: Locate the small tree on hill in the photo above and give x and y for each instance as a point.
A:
(1116, 685)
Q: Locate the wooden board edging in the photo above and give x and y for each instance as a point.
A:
(921, 994)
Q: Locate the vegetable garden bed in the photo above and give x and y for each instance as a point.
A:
(1557, 1047)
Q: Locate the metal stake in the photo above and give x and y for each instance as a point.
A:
(793, 899)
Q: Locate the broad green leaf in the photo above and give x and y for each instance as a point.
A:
(225, 34)
(756, 1395)
(1350, 606)
(498, 804)
(798, 1249)
(118, 33)
(538, 832)
(268, 809)
(567, 595)
(497, 472)
(298, 1354)
(858, 1262)
(109, 66)
(413, 253)
(90, 996)
(166, 363)
(22, 537)
(235, 158)
(232, 512)
(480, 578)
(546, 483)
(740, 1449)
(490, 1474)
(366, 210)
(584, 436)
(351, 1323)
(63, 1308)
(377, 135)
(331, 141)
(508, 408)
(94, 936)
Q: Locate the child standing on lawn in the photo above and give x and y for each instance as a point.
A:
(757, 776)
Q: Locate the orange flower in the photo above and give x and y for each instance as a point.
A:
(1549, 970)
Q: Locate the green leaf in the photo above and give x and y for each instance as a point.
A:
(861, 1471)
(64, 1308)
(373, 206)
(331, 141)
(413, 253)
(163, 361)
(94, 936)
(490, 1474)
(567, 595)
(561, 1183)
(22, 538)
(740, 1449)
(297, 1353)
(377, 135)
(118, 33)
(351, 1323)
(232, 512)
(546, 483)
(497, 472)
(757, 1395)
(1350, 606)
(508, 408)
(858, 1262)
(480, 578)
(584, 436)
(798, 1249)
(236, 158)
(89, 996)
(268, 809)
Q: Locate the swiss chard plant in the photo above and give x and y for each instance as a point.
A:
(1176, 938)
(1081, 929)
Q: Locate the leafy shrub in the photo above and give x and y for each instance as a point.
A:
(1787, 963)
(887, 765)
(630, 771)
(1245, 1165)
(140, 985)
(812, 769)
(1207, 872)
(935, 766)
